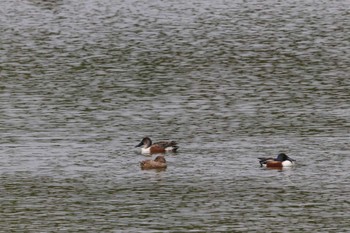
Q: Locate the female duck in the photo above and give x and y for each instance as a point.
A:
(158, 163)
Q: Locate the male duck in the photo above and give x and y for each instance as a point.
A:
(158, 163)
(282, 160)
(159, 147)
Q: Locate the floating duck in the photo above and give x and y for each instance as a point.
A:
(158, 163)
(159, 147)
(282, 160)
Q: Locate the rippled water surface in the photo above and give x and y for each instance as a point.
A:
(83, 81)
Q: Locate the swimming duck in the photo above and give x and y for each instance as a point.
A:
(159, 147)
(158, 163)
(282, 160)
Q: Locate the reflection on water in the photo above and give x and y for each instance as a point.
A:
(82, 82)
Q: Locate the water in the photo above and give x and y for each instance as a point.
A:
(83, 81)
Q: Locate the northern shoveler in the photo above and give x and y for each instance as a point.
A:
(159, 147)
(158, 163)
(282, 160)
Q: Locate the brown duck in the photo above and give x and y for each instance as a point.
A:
(158, 163)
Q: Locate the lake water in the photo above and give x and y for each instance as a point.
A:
(83, 81)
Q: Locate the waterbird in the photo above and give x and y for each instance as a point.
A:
(158, 163)
(147, 147)
(282, 160)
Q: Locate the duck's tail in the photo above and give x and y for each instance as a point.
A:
(263, 161)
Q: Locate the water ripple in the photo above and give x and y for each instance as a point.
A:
(83, 82)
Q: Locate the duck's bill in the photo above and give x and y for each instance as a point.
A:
(140, 144)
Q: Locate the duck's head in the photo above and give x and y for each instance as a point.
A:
(145, 143)
(283, 157)
(160, 159)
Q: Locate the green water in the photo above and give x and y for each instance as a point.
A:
(83, 81)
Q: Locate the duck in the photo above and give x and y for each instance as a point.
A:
(282, 160)
(158, 163)
(147, 147)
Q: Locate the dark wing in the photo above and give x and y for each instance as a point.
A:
(165, 144)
